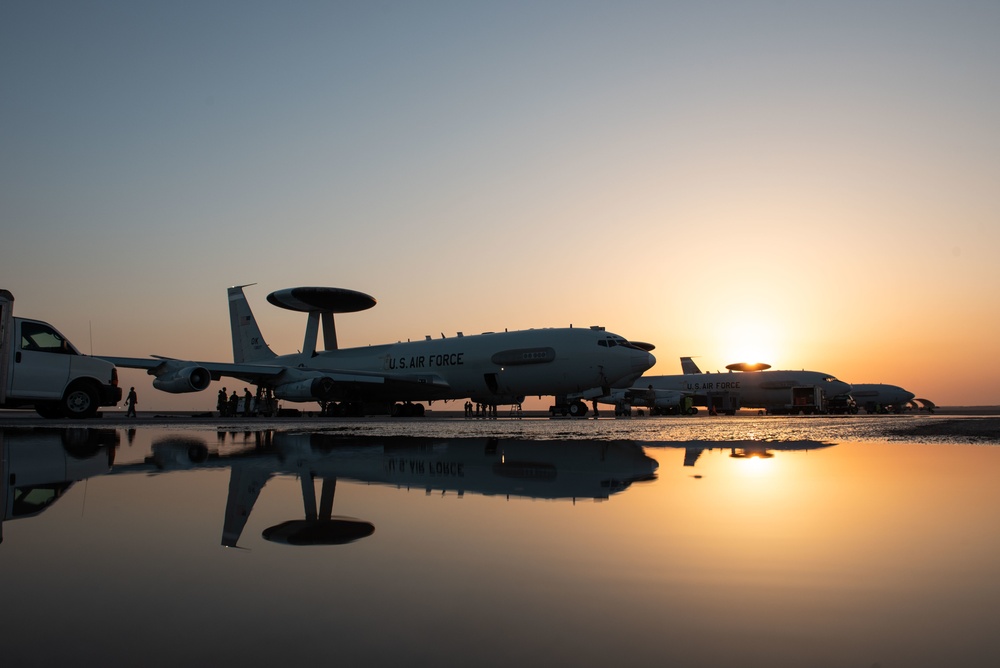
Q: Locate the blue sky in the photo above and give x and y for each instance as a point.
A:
(808, 183)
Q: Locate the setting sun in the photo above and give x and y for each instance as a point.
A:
(749, 339)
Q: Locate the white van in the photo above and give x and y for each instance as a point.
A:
(41, 369)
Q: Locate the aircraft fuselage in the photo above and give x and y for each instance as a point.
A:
(769, 390)
(493, 367)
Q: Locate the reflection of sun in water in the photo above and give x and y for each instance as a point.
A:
(754, 463)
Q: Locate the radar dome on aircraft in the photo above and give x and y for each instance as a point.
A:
(748, 366)
(329, 300)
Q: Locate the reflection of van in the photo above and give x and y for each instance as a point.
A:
(38, 466)
(40, 368)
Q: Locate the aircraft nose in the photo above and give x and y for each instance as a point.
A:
(642, 360)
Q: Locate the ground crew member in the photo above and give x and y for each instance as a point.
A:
(130, 401)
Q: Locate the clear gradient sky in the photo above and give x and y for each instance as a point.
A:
(814, 185)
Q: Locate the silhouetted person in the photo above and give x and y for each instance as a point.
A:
(221, 403)
(234, 402)
(130, 402)
(247, 398)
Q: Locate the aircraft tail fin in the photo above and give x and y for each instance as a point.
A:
(688, 365)
(248, 342)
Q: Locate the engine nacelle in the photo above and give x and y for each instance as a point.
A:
(668, 398)
(651, 399)
(312, 389)
(188, 379)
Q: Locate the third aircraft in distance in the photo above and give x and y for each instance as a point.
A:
(491, 368)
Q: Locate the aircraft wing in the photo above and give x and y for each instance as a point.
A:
(293, 383)
(156, 365)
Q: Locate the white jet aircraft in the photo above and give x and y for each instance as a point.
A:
(882, 398)
(743, 386)
(491, 368)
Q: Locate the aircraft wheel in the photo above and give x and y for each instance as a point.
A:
(578, 409)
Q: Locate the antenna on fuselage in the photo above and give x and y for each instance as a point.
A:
(321, 304)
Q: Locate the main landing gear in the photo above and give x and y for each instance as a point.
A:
(564, 408)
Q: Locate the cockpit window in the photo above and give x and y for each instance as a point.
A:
(612, 341)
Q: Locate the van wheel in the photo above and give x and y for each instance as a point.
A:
(80, 402)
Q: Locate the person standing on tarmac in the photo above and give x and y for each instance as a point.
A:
(247, 398)
(130, 402)
(222, 402)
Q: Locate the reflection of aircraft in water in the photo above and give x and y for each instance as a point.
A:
(488, 466)
(741, 449)
(38, 466)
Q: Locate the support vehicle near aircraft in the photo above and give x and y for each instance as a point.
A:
(41, 369)
(491, 368)
(743, 386)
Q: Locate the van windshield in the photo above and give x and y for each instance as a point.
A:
(40, 337)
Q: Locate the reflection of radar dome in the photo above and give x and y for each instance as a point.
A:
(743, 366)
(329, 300)
(337, 531)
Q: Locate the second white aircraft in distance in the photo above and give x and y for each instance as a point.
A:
(743, 386)
(491, 368)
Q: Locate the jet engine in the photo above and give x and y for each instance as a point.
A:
(306, 390)
(651, 398)
(668, 398)
(188, 379)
